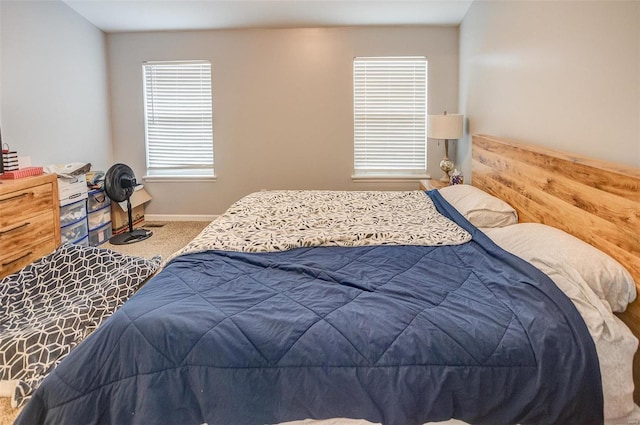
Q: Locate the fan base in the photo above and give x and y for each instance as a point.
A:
(130, 237)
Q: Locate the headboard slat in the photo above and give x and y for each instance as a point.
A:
(550, 201)
(617, 208)
(615, 178)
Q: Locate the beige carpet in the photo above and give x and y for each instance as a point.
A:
(167, 238)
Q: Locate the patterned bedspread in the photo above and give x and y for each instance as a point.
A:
(48, 307)
(283, 220)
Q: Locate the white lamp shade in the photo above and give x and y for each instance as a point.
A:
(444, 126)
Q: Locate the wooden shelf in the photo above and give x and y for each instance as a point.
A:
(430, 184)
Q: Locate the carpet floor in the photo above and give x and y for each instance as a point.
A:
(167, 238)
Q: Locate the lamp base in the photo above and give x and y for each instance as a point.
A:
(446, 165)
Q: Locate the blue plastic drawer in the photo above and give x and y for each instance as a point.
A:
(99, 217)
(83, 242)
(74, 231)
(100, 235)
(72, 213)
(97, 199)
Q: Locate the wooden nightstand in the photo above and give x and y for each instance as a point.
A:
(431, 184)
(30, 220)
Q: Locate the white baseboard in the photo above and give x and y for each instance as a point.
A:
(179, 217)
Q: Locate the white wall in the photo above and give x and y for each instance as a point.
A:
(561, 74)
(282, 105)
(53, 74)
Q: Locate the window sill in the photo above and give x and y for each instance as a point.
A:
(179, 179)
(389, 179)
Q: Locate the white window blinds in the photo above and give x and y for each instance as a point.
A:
(178, 118)
(390, 104)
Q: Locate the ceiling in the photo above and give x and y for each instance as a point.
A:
(174, 15)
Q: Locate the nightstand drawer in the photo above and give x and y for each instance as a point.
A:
(26, 255)
(20, 205)
(29, 220)
(30, 231)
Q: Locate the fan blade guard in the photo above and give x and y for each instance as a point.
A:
(119, 182)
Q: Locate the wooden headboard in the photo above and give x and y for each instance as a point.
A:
(596, 201)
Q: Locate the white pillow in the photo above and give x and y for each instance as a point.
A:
(567, 255)
(477, 206)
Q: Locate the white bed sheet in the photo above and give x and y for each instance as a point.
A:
(615, 343)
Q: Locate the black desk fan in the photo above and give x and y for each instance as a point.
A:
(119, 184)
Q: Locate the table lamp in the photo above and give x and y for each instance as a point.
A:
(445, 126)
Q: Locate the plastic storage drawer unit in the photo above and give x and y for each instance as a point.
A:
(72, 213)
(74, 231)
(97, 199)
(100, 235)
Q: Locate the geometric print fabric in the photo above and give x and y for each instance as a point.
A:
(51, 305)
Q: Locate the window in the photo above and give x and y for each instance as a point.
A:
(178, 118)
(390, 104)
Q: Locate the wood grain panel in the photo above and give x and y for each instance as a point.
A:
(596, 201)
(587, 213)
(20, 259)
(612, 178)
(33, 231)
(29, 220)
(614, 207)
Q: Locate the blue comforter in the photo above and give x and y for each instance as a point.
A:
(392, 334)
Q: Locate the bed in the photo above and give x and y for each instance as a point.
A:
(389, 307)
